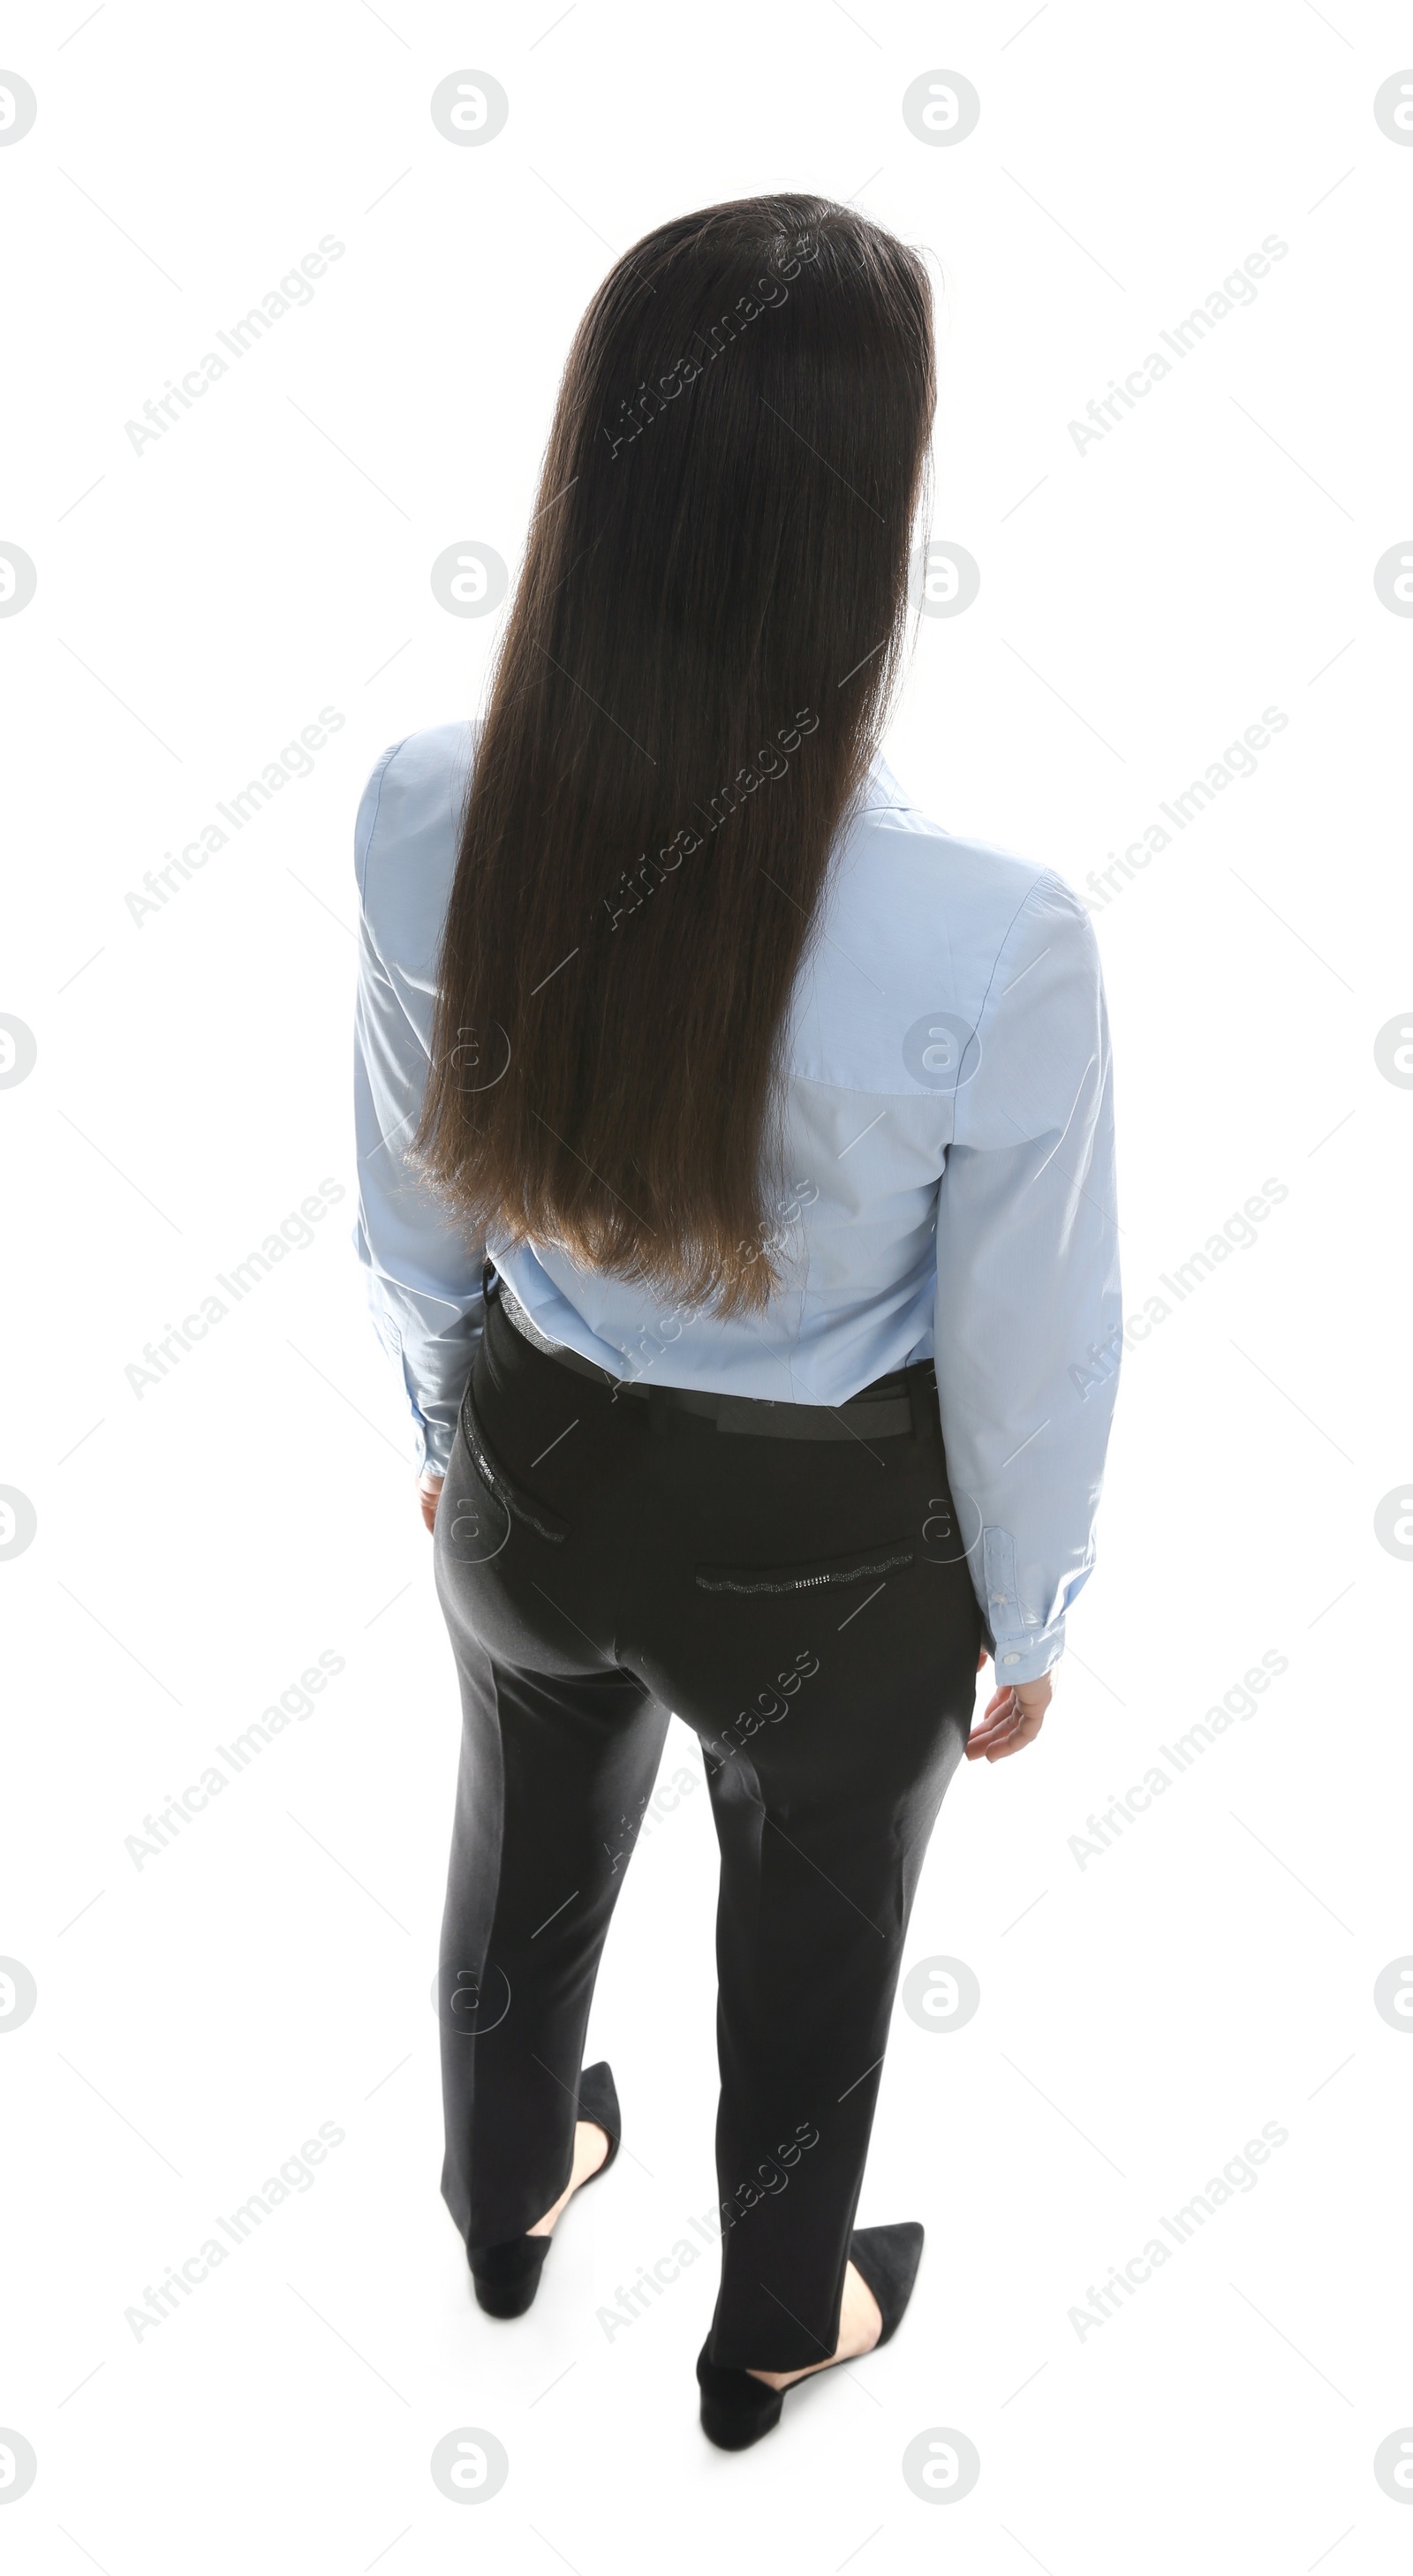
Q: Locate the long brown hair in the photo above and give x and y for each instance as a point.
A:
(691, 682)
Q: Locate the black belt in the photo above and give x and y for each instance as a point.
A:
(892, 1405)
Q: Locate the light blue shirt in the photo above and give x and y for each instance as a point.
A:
(950, 1161)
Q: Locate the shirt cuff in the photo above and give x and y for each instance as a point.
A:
(1020, 1650)
(435, 1441)
(1028, 1658)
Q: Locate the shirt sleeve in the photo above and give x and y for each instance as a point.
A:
(423, 1277)
(1028, 1323)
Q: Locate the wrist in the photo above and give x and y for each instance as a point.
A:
(1028, 1659)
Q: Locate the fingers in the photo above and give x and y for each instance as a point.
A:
(1006, 1734)
(1012, 1717)
(1024, 1731)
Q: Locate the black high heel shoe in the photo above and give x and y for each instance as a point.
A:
(737, 2409)
(507, 2276)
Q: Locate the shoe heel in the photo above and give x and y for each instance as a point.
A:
(506, 2277)
(736, 2409)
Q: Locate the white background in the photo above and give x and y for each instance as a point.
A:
(198, 1546)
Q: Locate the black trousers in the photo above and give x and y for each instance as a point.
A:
(806, 1608)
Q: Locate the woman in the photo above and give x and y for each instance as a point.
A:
(737, 1196)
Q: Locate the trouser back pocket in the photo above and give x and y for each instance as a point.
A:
(512, 1497)
(819, 1573)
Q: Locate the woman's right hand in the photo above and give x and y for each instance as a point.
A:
(429, 1486)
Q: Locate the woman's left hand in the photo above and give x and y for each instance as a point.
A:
(1012, 1717)
(429, 1485)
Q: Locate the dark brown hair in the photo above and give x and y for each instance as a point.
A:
(691, 682)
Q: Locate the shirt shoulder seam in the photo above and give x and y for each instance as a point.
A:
(380, 773)
(1044, 876)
